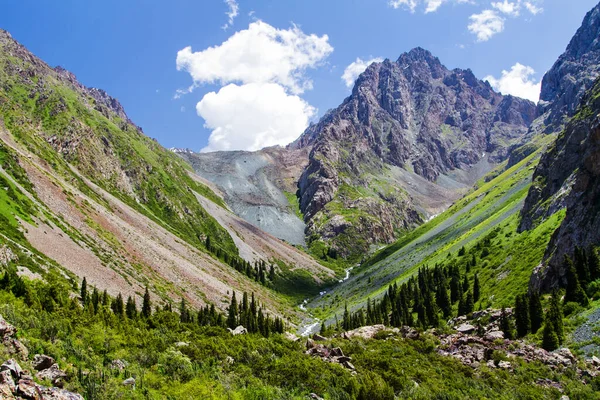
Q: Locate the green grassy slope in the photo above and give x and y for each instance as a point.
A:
(487, 217)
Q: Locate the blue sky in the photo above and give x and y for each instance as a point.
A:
(130, 49)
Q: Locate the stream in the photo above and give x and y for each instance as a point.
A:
(310, 324)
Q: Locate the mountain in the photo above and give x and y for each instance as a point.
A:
(87, 194)
(571, 76)
(410, 140)
(402, 147)
(566, 177)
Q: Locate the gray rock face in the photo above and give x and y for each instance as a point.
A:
(572, 75)
(568, 176)
(413, 114)
(254, 185)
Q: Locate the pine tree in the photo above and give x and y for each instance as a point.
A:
(550, 339)
(322, 331)
(147, 304)
(581, 266)
(443, 300)
(593, 264)
(183, 312)
(84, 293)
(233, 313)
(272, 274)
(465, 285)
(105, 298)
(346, 323)
(555, 314)
(95, 300)
(118, 306)
(476, 288)
(469, 304)
(536, 312)
(506, 325)
(574, 290)
(130, 308)
(522, 318)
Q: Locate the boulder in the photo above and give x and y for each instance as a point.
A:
(118, 364)
(466, 328)
(337, 352)
(41, 361)
(7, 379)
(6, 392)
(12, 366)
(53, 374)
(493, 335)
(27, 389)
(58, 394)
(129, 382)
(291, 337)
(6, 329)
(319, 338)
(18, 348)
(240, 330)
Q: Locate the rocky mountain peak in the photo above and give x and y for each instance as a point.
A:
(572, 75)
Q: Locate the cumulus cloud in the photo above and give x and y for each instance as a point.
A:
(253, 116)
(233, 12)
(518, 82)
(259, 54)
(486, 24)
(353, 70)
(508, 7)
(430, 5)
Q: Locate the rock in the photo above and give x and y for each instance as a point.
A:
(118, 364)
(504, 365)
(491, 364)
(315, 396)
(53, 374)
(7, 379)
(240, 330)
(6, 392)
(181, 344)
(129, 382)
(58, 394)
(41, 361)
(28, 390)
(337, 352)
(494, 335)
(365, 332)
(19, 349)
(6, 329)
(229, 360)
(343, 359)
(596, 361)
(14, 368)
(466, 328)
(310, 344)
(319, 338)
(348, 365)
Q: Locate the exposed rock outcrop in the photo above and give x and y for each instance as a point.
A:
(415, 115)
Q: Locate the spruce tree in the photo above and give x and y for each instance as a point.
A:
(147, 304)
(469, 304)
(233, 313)
(550, 339)
(118, 306)
(346, 323)
(521, 312)
(83, 293)
(130, 308)
(183, 312)
(593, 264)
(476, 288)
(506, 325)
(536, 312)
(555, 314)
(574, 290)
(581, 266)
(443, 300)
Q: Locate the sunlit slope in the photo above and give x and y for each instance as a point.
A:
(485, 218)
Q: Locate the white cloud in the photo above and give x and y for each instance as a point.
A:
(532, 8)
(430, 5)
(253, 116)
(507, 7)
(233, 12)
(260, 53)
(353, 70)
(486, 24)
(518, 82)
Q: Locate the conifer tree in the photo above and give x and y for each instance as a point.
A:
(536, 312)
(469, 304)
(574, 290)
(443, 300)
(594, 264)
(118, 306)
(183, 312)
(465, 285)
(346, 323)
(130, 308)
(550, 339)
(84, 293)
(506, 325)
(147, 304)
(476, 288)
(555, 314)
(233, 313)
(522, 318)
(95, 300)
(581, 266)
(105, 298)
